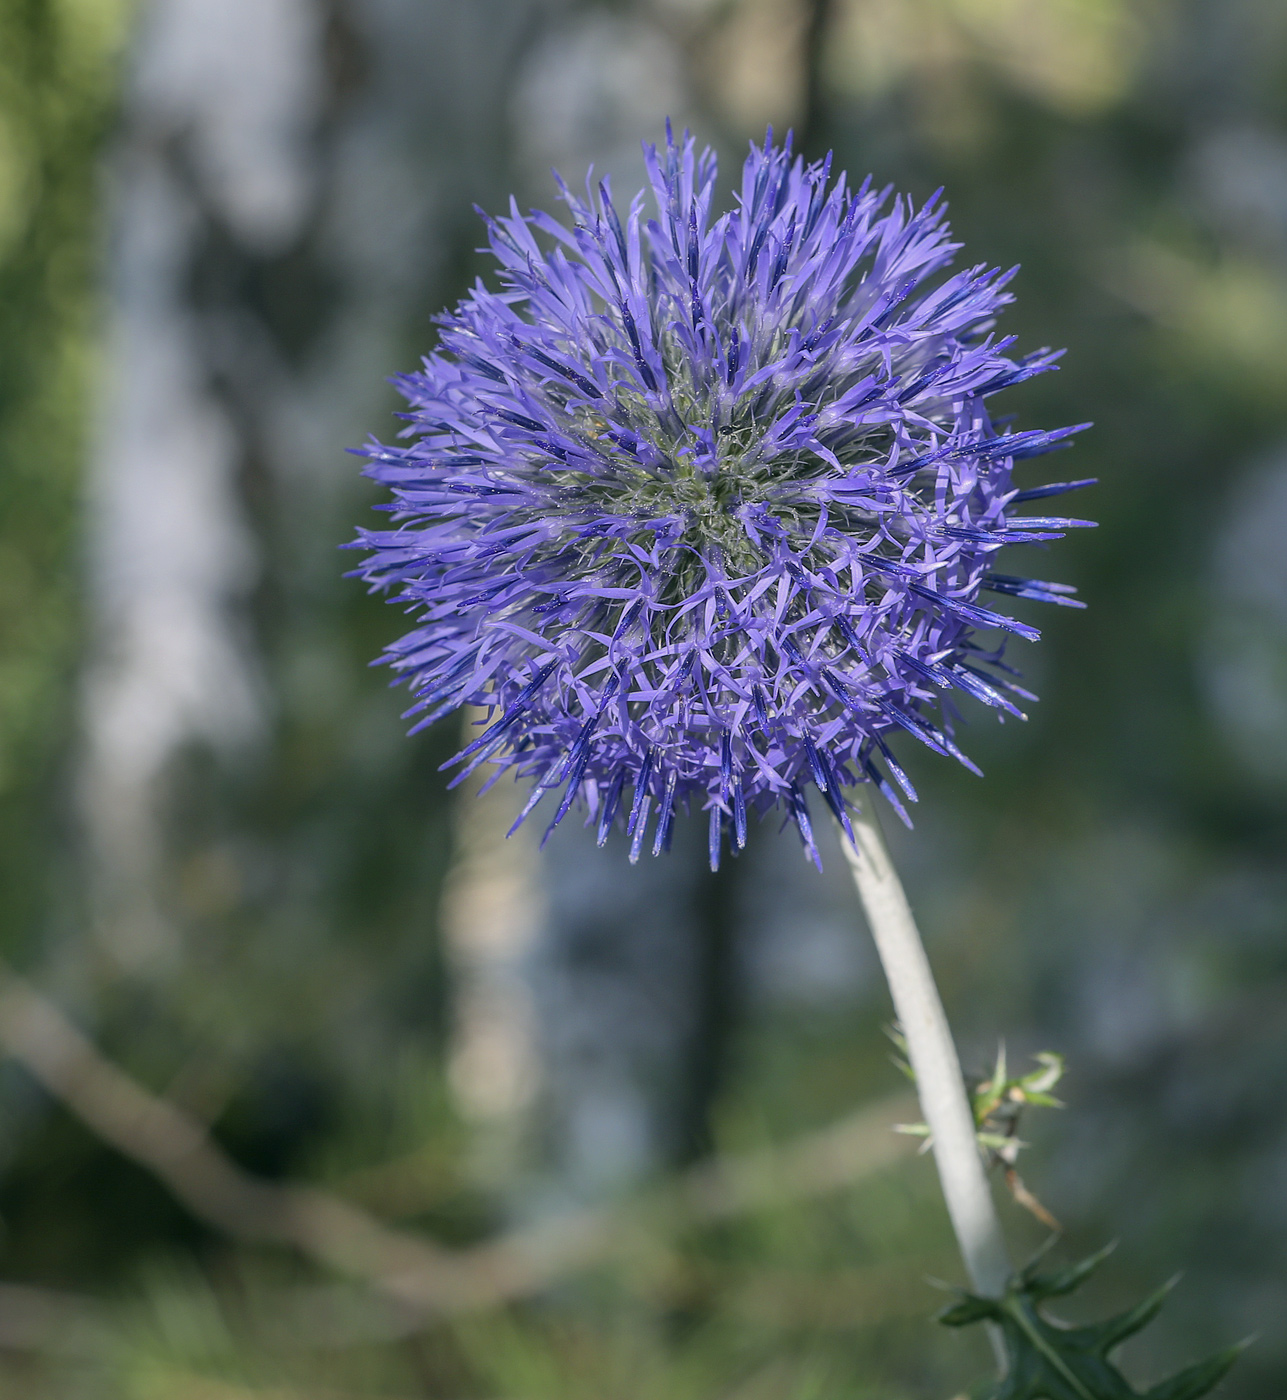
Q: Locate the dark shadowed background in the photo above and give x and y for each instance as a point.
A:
(253, 944)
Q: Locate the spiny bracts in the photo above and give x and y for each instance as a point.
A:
(701, 509)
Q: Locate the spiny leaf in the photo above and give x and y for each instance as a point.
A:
(997, 1104)
(1199, 1379)
(1050, 1361)
(1135, 1319)
(1057, 1285)
(969, 1309)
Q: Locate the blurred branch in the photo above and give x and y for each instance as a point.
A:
(178, 1150)
(410, 1269)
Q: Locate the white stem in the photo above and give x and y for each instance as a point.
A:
(933, 1058)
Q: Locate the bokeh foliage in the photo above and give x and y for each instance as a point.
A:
(58, 72)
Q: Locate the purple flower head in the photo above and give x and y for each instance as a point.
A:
(702, 509)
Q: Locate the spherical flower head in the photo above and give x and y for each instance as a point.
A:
(701, 509)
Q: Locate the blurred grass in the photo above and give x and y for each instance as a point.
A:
(802, 1299)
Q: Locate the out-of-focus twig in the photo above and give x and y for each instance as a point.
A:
(407, 1268)
(178, 1150)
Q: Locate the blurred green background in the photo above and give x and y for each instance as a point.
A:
(223, 223)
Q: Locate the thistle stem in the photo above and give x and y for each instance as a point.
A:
(939, 1083)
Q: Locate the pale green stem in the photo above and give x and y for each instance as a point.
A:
(939, 1084)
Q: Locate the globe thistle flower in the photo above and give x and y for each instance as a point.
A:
(702, 509)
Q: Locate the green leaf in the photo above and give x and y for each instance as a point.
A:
(969, 1309)
(996, 1141)
(1039, 1100)
(1117, 1329)
(1041, 1081)
(1050, 1361)
(1059, 1284)
(997, 1104)
(1197, 1380)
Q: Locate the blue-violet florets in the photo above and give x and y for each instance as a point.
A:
(701, 510)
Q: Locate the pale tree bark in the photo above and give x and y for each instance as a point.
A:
(287, 190)
(208, 137)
